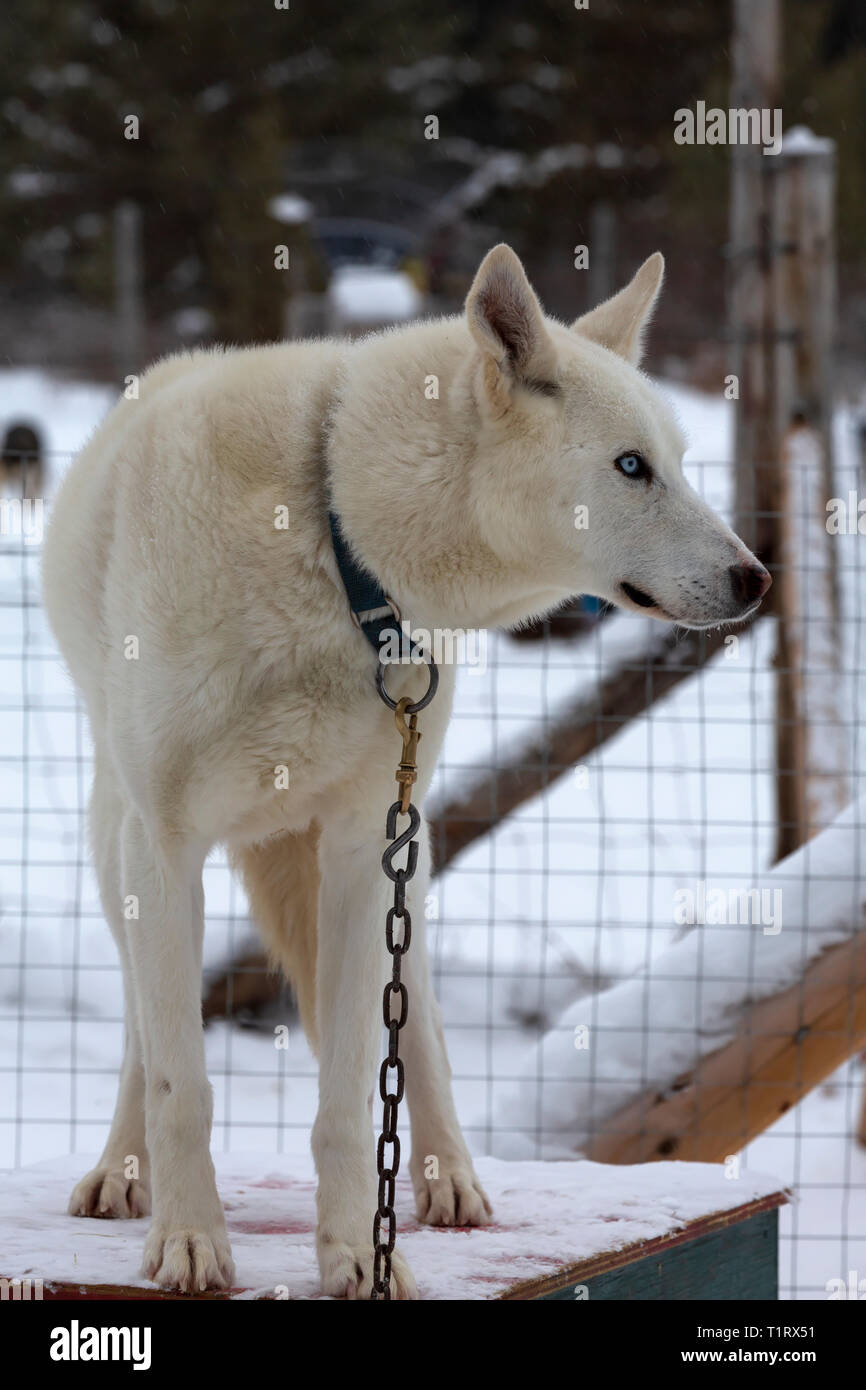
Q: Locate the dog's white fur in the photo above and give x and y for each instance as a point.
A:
(247, 661)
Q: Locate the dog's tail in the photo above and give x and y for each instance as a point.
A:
(281, 878)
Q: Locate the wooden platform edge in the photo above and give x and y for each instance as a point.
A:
(563, 1278)
(59, 1290)
(584, 1270)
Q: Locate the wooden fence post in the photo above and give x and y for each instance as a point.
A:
(127, 288)
(601, 281)
(754, 85)
(812, 743)
(812, 747)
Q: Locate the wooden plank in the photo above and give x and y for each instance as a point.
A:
(737, 1264)
(59, 1291)
(563, 1282)
(785, 1046)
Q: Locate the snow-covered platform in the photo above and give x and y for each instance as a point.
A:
(614, 1232)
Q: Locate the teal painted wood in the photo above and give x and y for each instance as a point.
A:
(739, 1262)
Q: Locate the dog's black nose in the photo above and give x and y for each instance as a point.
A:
(749, 582)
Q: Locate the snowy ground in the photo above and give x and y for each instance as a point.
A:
(579, 884)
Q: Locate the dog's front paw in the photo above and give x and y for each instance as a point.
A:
(108, 1192)
(188, 1260)
(454, 1199)
(347, 1271)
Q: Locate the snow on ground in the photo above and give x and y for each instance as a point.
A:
(546, 1217)
(579, 884)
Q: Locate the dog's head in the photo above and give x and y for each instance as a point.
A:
(580, 457)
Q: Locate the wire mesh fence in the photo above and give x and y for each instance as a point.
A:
(557, 894)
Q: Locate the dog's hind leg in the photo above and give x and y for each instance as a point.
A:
(281, 878)
(119, 1184)
(447, 1191)
(187, 1246)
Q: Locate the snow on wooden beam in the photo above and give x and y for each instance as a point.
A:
(788, 1045)
(729, 1027)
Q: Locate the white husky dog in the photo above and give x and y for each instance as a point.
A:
(214, 645)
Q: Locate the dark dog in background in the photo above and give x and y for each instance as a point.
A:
(21, 461)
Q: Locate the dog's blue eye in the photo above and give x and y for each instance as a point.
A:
(633, 466)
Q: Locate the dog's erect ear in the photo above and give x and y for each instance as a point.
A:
(506, 321)
(619, 323)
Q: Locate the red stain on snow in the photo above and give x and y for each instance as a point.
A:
(490, 1229)
(272, 1228)
(275, 1182)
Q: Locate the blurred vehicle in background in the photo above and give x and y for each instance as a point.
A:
(365, 297)
(377, 277)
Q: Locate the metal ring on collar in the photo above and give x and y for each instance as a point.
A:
(433, 676)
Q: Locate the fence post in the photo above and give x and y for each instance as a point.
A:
(127, 287)
(601, 281)
(754, 85)
(860, 427)
(811, 743)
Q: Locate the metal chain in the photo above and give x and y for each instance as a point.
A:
(406, 775)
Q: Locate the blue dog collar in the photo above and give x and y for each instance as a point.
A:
(376, 614)
(372, 610)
